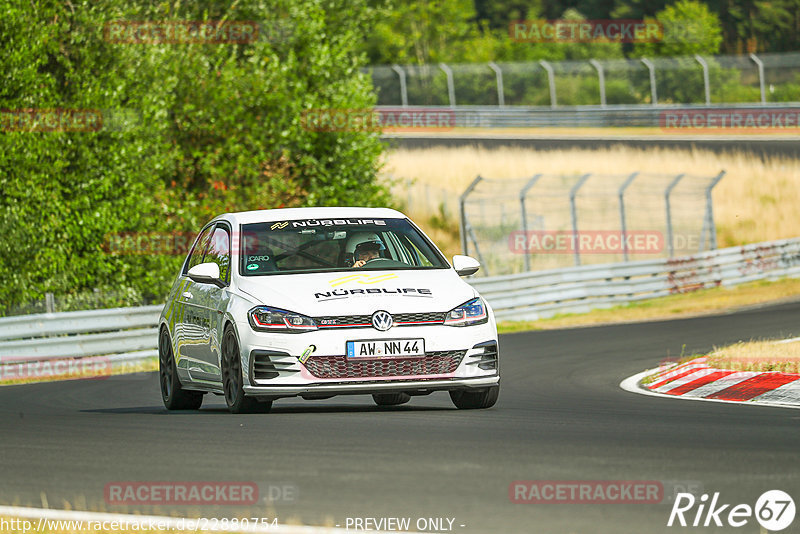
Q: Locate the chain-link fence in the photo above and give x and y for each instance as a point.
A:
(547, 221)
(705, 80)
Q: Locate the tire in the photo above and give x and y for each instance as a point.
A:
(172, 393)
(391, 399)
(233, 379)
(466, 399)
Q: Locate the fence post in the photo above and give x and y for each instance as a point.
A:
(574, 214)
(461, 201)
(403, 89)
(483, 263)
(501, 100)
(451, 90)
(621, 194)
(705, 77)
(667, 193)
(708, 222)
(49, 303)
(602, 78)
(551, 79)
(653, 91)
(523, 192)
(760, 65)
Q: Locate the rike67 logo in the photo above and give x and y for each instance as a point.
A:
(774, 511)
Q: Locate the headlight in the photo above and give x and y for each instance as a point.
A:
(268, 319)
(469, 313)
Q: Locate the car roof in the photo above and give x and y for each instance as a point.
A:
(282, 214)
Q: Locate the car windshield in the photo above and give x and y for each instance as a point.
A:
(323, 245)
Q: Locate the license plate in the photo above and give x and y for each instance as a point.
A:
(386, 348)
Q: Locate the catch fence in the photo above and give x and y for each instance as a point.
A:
(548, 221)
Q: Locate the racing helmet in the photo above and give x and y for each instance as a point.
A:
(361, 242)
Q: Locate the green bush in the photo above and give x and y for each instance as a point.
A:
(190, 130)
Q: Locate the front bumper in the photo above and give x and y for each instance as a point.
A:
(274, 370)
(419, 387)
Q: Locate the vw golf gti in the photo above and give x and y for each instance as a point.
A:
(318, 302)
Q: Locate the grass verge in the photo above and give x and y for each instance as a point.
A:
(49, 371)
(672, 307)
(757, 355)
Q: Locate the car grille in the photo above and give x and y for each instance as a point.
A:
(406, 318)
(360, 321)
(434, 363)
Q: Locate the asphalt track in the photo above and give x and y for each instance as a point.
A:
(763, 147)
(561, 416)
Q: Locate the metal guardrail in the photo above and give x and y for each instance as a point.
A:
(590, 116)
(123, 334)
(541, 294)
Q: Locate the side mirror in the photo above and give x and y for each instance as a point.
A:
(465, 265)
(206, 273)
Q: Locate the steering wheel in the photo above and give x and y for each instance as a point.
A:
(376, 259)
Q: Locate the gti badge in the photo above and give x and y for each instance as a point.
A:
(382, 320)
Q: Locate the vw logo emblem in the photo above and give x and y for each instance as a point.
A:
(382, 320)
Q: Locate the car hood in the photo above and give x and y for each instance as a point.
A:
(360, 293)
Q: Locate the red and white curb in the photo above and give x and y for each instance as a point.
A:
(695, 380)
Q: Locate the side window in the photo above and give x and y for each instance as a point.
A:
(413, 250)
(196, 255)
(219, 251)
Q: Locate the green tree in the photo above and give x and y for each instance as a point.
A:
(189, 131)
(428, 32)
(689, 28)
(759, 26)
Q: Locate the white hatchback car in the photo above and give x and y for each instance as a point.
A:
(318, 302)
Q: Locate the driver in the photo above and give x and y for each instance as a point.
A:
(369, 248)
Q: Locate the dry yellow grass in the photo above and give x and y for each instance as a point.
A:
(757, 356)
(756, 201)
(673, 307)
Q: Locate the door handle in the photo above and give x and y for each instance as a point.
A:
(186, 295)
